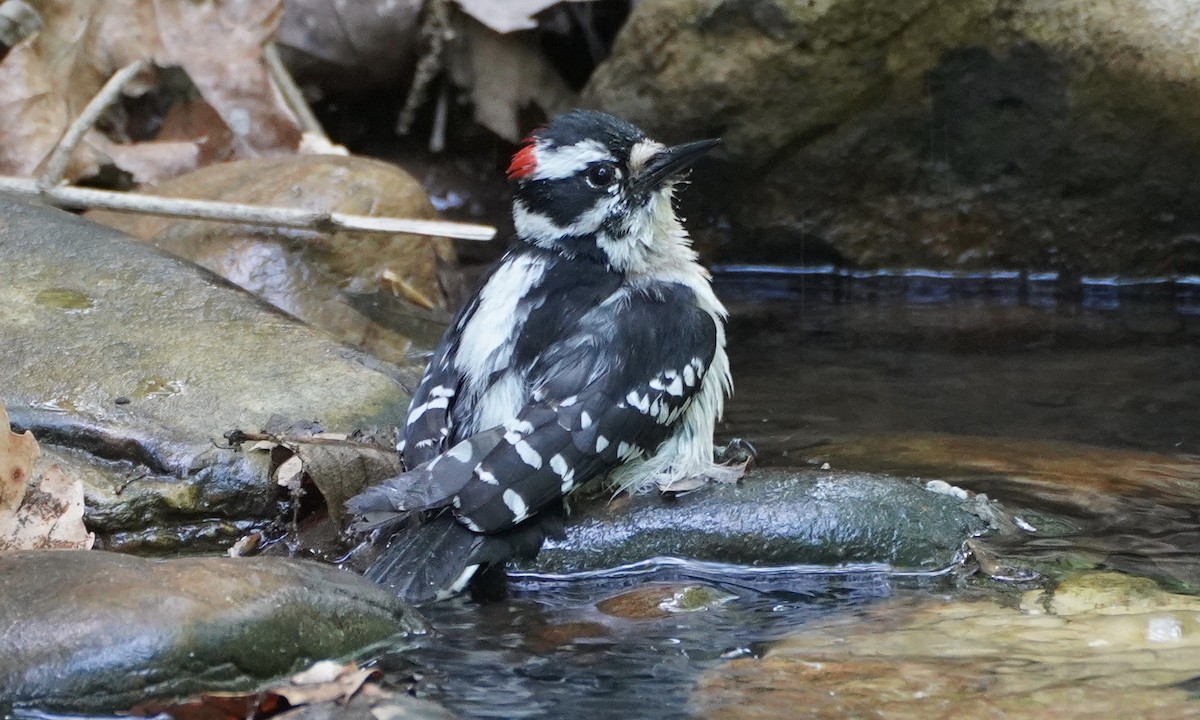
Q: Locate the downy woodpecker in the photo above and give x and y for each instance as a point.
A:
(595, 348)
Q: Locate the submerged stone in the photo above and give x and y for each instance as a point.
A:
(774, 517)
(1101, 645)
(98, 631)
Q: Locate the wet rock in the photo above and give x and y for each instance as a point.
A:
(1077, 505)
(978, 659)
(97, 631)
(136, 364)
(773, 517)
(1072, 476)
(344, 282)
(660, 600)
(944, 134)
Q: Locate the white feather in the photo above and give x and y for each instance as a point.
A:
(555, 163)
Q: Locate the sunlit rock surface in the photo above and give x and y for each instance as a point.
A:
(96, 631)
(773, 517)
(135, 364)
(946, 133)
(1102, 645)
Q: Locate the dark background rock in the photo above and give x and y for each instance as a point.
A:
(991, 133)
(97, 631)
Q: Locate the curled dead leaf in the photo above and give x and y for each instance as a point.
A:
(325, 681)
(18, 452)
(339, 467)
(37, 512)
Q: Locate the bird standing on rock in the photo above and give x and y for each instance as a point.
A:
(595, 348)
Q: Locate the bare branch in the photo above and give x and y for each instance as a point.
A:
(435, 33)
(292, 94)
(77, 197)
(60, 157)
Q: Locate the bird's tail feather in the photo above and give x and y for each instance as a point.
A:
(384, 508)
(439, 558)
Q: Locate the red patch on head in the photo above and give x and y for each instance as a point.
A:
(523, 162)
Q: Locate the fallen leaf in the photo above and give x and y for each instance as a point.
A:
(510, 15)
(220, 45)
(42, 512)
(18, 452)
(505, 74)
(153, 162)
(340, 468)
(326, 681)
(288, 474)
(47, 78)
(217, 706)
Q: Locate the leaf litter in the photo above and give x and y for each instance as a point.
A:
(48, 77)
(38, 509)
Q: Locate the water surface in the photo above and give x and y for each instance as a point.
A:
(822, 358)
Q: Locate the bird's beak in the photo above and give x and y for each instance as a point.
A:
(669, 163)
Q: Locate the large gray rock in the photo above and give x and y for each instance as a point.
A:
(135, 364)
(97, 631)
(774, 517)
(941, 133)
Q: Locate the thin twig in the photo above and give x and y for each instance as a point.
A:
(441, 111)
(77, 197)
(435, 32)
(293, 96)
(60, 157)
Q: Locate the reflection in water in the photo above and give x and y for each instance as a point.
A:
(1041, 370)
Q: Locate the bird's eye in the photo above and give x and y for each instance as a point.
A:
(602, 174)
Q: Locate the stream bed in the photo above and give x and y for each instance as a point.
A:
(1073, 401)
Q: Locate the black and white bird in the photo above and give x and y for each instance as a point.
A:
(595, 348)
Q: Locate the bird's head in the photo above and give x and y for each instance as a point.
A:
(590, 183)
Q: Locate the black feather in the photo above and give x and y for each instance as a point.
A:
(425, 561)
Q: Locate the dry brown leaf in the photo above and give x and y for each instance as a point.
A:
(340, 468)
(47, 79)
(45, 512)
(153, 162)
(220, 46)
(216, 706)
(506, 74)
(326, 681)
(33, 112)
(289, 472)
(18, 452)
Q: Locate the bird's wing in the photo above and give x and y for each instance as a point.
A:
(607, 393)
(430, 420)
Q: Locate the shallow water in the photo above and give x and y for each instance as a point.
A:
(822, 358)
